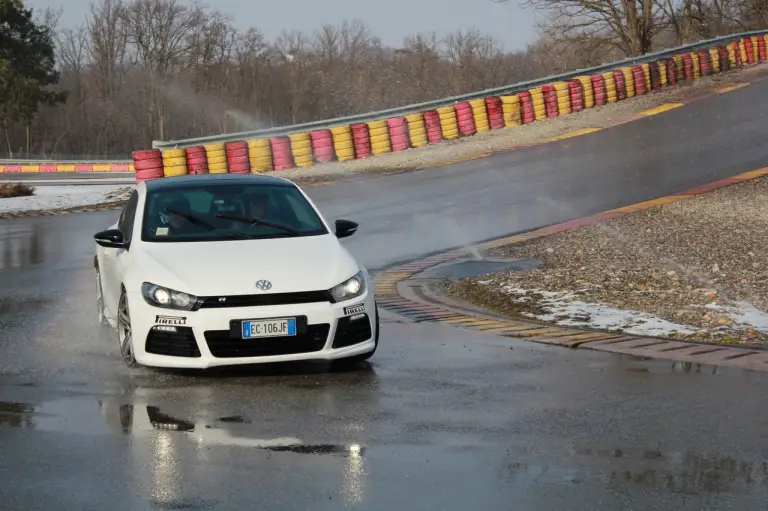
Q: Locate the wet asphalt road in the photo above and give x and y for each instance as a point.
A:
(442, 419)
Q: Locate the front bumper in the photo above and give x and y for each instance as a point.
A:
(204, 338)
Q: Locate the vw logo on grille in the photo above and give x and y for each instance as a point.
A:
(263, 284)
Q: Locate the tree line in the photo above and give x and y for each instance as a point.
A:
(140, 70)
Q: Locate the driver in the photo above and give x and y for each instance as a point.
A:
(257, 205)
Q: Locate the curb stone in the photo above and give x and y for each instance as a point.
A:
(400, 291)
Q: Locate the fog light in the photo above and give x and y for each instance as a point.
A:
(356, 316)
(165, 329)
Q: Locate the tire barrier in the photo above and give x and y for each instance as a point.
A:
(379, 134)
(322, 145)
(398, 133)
(539, 107)
(362, 140)
(749, 53)
(301, 149)
(434, 131)
(671, 72)
(621, 86)
(282, 158)
(587, 91)
(610, 87)
(725, 63)
(695, 65)
(511, 110)
(343, 144)
(714, 60)
(260, 154)
(598, 85)
(687, 66)
(480, 116)
(448, 122)
(576, 96)
(465, 119)
(527, 115)
(661, 68)
(705, 65)
(742, 52)
(174, 162)
(563, 97)
(550, 100)
(197, 162)
(148, 164)
(495, 112)
(646, 76)
(755, 49)
(238, 160)
(217, 158)
(460, 119)
(655, 78)
(417, 130)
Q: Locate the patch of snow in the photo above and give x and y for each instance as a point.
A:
(744, 314)
(61, 197)
(564, 309)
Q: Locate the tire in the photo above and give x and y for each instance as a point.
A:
(124, 332)
(365, 356)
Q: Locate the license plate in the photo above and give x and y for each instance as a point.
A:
(268, 328)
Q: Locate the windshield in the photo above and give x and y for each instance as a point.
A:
(227, 212)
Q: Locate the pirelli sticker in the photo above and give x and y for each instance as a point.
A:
(171, 320)
(354, 309)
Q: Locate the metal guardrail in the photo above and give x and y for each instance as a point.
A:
(430, 105)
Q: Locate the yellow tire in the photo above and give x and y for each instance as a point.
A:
(714, 59)
(173, 162)
(174, 170)
(587, 91)
(215, 147)
(381, 148)
(345, 155)
(647, 76)
(216, 154)
(174, 153)
(510, 110)
(216, 160)
(217, 168)
(662, 73)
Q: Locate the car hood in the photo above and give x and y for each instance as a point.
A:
(232, 267)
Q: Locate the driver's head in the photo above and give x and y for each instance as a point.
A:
(257, 205)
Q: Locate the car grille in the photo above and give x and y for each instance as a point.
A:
(349, 332)
(180, 343)
(220, 302)
(224, 345)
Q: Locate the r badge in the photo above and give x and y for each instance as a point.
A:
(354, 309)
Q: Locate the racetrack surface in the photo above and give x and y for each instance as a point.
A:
(444, 418)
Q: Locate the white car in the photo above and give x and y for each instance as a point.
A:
(211, 270)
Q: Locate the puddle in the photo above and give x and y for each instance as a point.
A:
(473, 268)
(17, 415)
(239, 419)
(21, 247)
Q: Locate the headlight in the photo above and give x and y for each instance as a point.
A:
(159, 296)
(349, 289)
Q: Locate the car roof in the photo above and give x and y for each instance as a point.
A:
(203, 180)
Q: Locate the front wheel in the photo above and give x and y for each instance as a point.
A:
(124, 332)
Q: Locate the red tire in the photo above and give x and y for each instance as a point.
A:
(434, 130)
(147, 164)
(465, 118)
(398, 133)
(146, 175)
(361, 139)
(495, 112)
(550, 100)
(147, 154)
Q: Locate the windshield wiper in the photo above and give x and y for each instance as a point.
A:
(259, 221)
(202, 223)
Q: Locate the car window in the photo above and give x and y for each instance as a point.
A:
(128, 216)
(204, 208)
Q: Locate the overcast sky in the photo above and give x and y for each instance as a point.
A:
(391, 20)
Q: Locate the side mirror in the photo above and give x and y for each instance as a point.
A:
(111, 238)
(345, 228)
